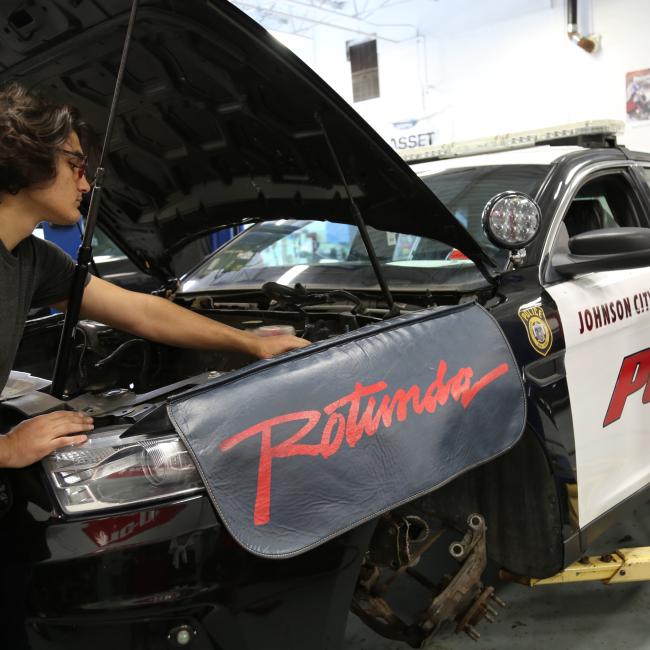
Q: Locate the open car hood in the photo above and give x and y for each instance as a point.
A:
(218, 124)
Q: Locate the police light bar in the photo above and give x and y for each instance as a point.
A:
(565, 134)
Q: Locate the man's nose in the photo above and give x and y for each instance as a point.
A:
(84, 185)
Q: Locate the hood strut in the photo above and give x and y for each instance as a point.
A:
(84, 255)
(360, 224)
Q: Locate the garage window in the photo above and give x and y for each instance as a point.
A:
(365, 70)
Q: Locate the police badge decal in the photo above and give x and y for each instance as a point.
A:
(537, 328)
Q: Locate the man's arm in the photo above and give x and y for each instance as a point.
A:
(161, 320)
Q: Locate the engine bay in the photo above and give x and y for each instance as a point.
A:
(119, 377)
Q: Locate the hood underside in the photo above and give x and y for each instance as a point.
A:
(217, 124)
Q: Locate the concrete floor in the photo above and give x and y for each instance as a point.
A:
(591, 616)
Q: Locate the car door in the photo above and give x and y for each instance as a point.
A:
(605, 319)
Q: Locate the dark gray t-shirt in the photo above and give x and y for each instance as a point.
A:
(35, 274)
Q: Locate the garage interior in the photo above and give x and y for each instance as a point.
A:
(434, 75)
(440, 81)
(419, 73)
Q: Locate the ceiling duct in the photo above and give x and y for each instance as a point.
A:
(589, 43)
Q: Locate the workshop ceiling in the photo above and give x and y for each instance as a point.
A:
(393, 20)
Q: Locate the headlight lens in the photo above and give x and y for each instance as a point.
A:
(108, 472)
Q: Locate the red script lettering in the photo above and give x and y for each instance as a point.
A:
(362, 418)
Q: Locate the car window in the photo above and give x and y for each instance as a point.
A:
(328, 254)
(105, 249)
(466, 190)
(604, 202)
(314, 242)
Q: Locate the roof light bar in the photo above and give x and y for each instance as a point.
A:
(575, 133)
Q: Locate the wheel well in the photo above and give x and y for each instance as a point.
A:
(517, 495)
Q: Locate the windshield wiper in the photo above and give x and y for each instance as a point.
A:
(299, 296)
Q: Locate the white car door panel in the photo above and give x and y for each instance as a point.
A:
(606, 324)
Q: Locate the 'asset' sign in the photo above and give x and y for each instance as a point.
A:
(413, 140)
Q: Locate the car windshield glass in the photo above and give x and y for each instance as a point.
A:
(329, 255)
(322, 254)
(466, 190)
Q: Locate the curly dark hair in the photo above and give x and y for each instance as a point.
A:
(32, 130)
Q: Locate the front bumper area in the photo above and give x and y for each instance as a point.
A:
(136, 579)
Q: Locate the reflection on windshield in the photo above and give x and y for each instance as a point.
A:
(322, 253)
(466, 190)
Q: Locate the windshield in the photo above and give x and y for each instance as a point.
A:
(322, 254)
(466, 190)
(327, 255)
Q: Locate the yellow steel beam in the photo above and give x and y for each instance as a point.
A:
(635, 567)
(624, 565)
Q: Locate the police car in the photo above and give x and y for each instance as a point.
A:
(477, 376)
(581, 298)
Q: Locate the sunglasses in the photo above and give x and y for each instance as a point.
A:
(79, 167)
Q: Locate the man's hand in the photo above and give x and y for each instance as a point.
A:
(32, 439)
(269, 346)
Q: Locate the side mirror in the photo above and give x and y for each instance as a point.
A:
(511, 220)
(608, 249)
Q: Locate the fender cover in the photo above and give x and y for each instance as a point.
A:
(300, 448)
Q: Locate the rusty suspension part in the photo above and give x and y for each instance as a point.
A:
(397, 547)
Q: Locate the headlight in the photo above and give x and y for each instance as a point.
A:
(109, 472)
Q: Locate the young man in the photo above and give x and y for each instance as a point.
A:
(42, 166)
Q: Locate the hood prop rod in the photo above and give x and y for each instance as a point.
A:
(84, 256)
(361, 225)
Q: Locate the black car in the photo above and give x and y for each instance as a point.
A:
(477, 379)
